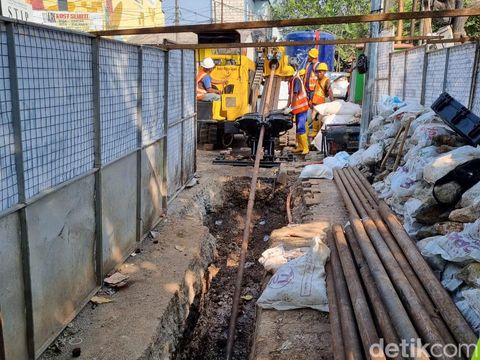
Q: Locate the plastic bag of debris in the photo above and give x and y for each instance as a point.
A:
(356, 158)
(469, 306)
(316, 171)
(385, 132)
(388, 104)
(410, 224)
(338, 107)
(272, 259)
(408, 110)
(339, 161)
(403, 183)
(458, 247)
(376, 123)
(443, 164)
(373, 154)
(300, 283)
(424, 134)
(428, 117)
(471, 196)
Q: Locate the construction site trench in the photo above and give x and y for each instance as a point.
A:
(205, 335)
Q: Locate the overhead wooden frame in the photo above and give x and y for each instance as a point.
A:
(428, 39)
(331, 20)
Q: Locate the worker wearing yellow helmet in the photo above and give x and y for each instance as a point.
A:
(323, 89)
(298, 106)
(310, 78)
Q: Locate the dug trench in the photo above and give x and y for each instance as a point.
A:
(206, 329)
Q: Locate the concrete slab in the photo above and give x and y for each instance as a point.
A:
(11, 295)
(302, 334)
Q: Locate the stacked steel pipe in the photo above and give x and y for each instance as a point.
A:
(380, 286)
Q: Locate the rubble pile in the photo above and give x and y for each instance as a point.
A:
(426, 188)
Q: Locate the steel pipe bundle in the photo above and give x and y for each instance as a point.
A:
(401, 299)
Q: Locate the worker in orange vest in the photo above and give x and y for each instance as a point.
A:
(205, 91)
(298, 106)
(323, 90)
(310, 78)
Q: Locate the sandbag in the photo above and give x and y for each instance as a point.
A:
(338, 161)
(443, 164)
(273, 258)
(471, 196)
(450, 280)
(456, 246)
(428, 117)
(356, 158)
(403, 184)
(376, 123)
(424, 134)
(373, 154)
(469, 306)
(388, 104)
(300, 283)
(407, 110)
(338, 107)
(316, 171)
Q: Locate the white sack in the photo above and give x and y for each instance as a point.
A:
(376, 123)
(424, 134)
(443, 164)
(387, 105)
(316, 171)
(300, 283)
(449, 277)
(471, 196)
(469, 306)
(272, 259)
(338, 107)
(339, 161)
(456, 246)
(356, 158)
(373, 154)
(428, 117)
(413, 109)
(403, 183)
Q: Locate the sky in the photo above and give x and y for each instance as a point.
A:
(191, 11)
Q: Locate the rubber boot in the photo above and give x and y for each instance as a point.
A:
(216, 108)
(315, 128)
(299, 147)
(304, 144)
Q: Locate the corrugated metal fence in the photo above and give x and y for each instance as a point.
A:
(420, 76)
(96, 136)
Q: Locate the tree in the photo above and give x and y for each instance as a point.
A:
(297, 9)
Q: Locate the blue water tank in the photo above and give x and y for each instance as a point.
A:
(326, 52)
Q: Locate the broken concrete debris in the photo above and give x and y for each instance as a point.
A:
(98, 300)
(117, 280)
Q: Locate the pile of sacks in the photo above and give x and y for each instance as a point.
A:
(447, 225)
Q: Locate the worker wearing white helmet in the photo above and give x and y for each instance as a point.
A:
(205, 90)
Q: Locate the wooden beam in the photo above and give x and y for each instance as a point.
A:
(428, 39)
(293, 22)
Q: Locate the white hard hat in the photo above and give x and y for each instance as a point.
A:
(207, 63)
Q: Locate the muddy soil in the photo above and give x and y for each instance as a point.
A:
(206, 333)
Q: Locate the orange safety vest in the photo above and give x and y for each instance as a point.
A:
(321, 91)
(201, 91)
(299, 102)
(310, 78)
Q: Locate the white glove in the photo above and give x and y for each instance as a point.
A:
(287, 110)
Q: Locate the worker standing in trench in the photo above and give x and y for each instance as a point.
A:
(205, 91)
(323, 89)
(298, 106)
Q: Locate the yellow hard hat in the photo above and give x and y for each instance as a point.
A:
(289, 71)
(301, 72)
(322, 67)
(313, 53)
